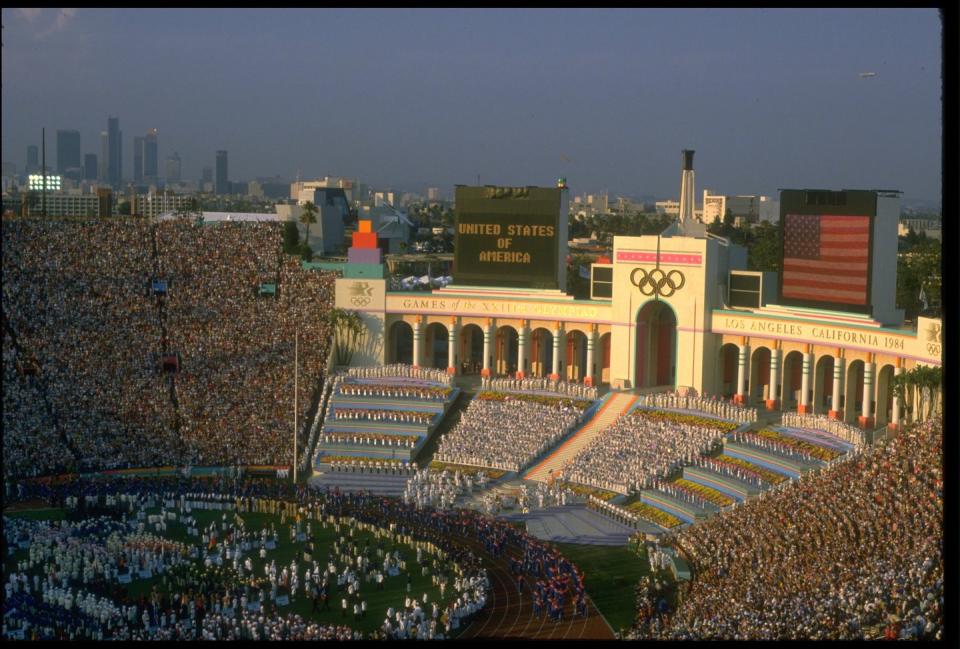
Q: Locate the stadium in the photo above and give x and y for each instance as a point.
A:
(206, 438)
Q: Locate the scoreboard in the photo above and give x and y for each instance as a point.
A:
(510, 237)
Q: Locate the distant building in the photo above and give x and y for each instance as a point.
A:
(385, 197)
(33, 158)
(345, 184)
(714, 206)
(172, 169)
(104, 155)
(114, 154)
(274, 190)
(73, 203)
(68, 153)
(150, 164)
(222, 185)
(929, 227)
(137, 159)
(745, 208)
(90, 166)
(254, 189)
(333, 211)
(433, 193)
(154, 205)
(393, 228)
(667, 208)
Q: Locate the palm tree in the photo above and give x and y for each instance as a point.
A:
(348, 334)
(308, 217)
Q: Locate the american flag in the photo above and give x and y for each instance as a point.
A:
(825, 258)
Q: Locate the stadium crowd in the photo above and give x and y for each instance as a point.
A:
(852, 551)
(640, 446)
(78, 308)
(506, 434)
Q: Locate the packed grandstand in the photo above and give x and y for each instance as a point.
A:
(135, 345)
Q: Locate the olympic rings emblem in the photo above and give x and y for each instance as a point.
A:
(657, 281)
(360, 301)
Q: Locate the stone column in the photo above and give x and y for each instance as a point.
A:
(523, 337)
(836, 412)
(591, 343)
(417, 341)
(452, 336)
(773, 401)
(804, 407)
(555, 375)
(866, 417)
(895, 424)
(743, 368)
(487, 348)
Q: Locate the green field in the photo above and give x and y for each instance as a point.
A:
(611, 574)
(392, 595)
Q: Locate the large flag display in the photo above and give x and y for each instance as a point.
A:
(826, 258)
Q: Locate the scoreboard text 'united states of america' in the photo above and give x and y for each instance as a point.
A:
(826, 258)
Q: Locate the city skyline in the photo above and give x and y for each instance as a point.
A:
(605, 98)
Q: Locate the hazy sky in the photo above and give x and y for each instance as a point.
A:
(768, 98)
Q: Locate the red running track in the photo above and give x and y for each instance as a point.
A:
(509, 614)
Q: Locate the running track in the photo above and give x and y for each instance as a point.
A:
(509, 614)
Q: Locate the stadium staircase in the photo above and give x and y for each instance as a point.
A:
(381, 484)
(342, 443)
(615, 404)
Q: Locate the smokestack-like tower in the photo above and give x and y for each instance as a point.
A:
(686, 188)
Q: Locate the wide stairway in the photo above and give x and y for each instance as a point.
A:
(617, 403)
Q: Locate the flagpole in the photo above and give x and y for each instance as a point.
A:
(296, 352)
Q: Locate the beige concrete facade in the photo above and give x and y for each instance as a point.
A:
(667, 326)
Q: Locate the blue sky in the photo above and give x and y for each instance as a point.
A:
(769, 98)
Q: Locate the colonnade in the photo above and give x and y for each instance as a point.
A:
(498, 351)
(861, 392)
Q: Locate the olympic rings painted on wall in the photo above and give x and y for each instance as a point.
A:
(657, 282)
(359, 301)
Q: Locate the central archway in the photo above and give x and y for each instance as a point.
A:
(437, 348)
(507, 350)
(471, 349)
(541, 352)
(656, 345)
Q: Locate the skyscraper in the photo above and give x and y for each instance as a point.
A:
(150, 156)
(114, 164)
(33, 158)
(90, 169)
(104, 155)
(68, 152)
(222, 185)
(137, 159)
(172, 170)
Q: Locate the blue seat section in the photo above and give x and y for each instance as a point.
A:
(684, 511)
(382, 430)
(732, 487)
(818, 437)
(765, 459)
